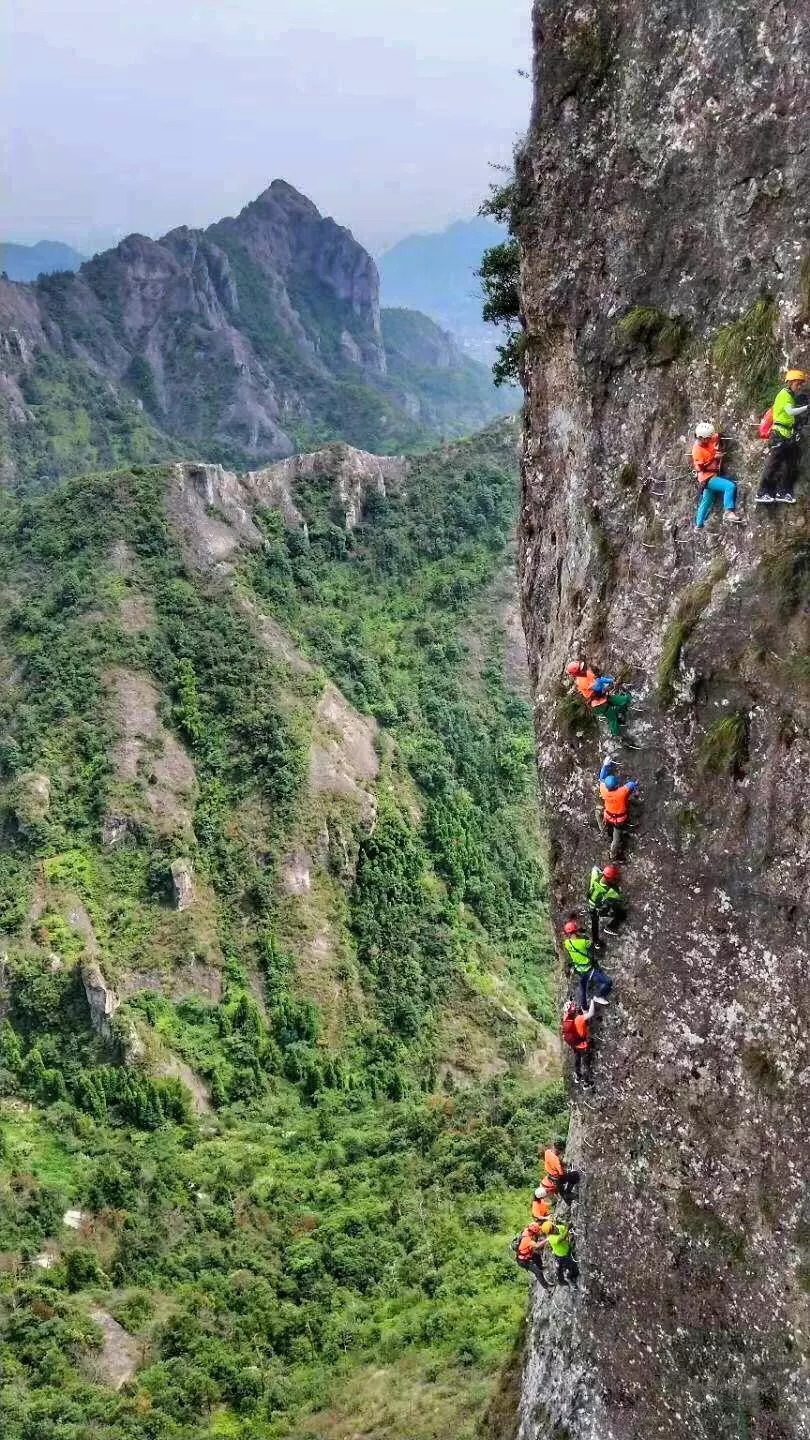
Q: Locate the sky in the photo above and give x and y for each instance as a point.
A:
(122, 115)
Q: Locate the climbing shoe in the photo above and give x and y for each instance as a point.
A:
(785, 499)
(600, 1000)
(732, 518)
(763, 500)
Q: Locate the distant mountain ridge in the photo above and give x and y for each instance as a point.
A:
(25, 262)
(436, 273)
(244, 342)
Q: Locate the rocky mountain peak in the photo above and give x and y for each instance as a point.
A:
(244, 339)
(281, 194)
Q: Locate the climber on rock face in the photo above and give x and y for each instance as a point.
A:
(529, 1254)
(616, 801)
(597, 691)
(707, 458)
(790, 409)
(558, 1179)
(581, 954)
(576, 1034)
(606, 903)
(559, 1243)
(541, 1205)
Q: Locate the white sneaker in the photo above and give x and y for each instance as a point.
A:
(763, 499)
(786, 499)
(732, 518)
(600, 1000)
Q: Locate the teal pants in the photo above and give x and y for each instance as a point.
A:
(614, 712)
(718, 485)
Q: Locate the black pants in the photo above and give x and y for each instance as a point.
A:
(535, 1268)
(781, 468)
(612, 913)
(616, 833)
(567, 1185)
(582, 1066)
(567, 1270)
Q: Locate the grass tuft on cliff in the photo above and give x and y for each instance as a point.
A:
(659, 336)
(747, 352)
(724, 748)
(691, 604)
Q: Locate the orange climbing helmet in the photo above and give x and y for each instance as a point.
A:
(575, 667)
(571, 927)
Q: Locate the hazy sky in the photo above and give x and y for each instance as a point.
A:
(123, 115)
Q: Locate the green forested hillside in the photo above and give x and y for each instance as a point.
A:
(273, 1065)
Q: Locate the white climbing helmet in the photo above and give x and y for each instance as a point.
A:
(539, 1193)
(704, 430)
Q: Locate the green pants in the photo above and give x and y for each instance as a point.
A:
(613, 712)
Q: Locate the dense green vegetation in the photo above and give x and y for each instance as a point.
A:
(76, 423)
(297, 1204)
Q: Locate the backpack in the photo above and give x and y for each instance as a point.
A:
(766, 425)
(515, 1243)
(569, 1033)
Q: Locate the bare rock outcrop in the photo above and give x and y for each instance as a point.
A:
(343, 758)
(354, 475)
(102, 1001)
(120, 1352)
(183, 883)
(31, 799)
(663, 219)
(156, 779)
(214, 509)
(296, 873)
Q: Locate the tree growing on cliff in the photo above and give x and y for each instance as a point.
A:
(500, 281)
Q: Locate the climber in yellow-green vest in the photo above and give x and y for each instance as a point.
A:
(606, 903)
(790, 409)
(558, 1239)
(581, 953)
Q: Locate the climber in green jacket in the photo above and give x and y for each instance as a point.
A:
(782, 465)
(606, 903)
(559, 1239)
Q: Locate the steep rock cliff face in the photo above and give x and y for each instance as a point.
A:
(662, 212)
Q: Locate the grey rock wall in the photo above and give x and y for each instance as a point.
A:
(667, 170)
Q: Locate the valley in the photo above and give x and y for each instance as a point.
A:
(276, 983)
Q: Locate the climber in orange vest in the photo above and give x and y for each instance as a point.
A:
(707, 458)
(597, 692)
(541, 1205)
(616, 802)
(576, 1034)
(558, 1179)
(529, 1252)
